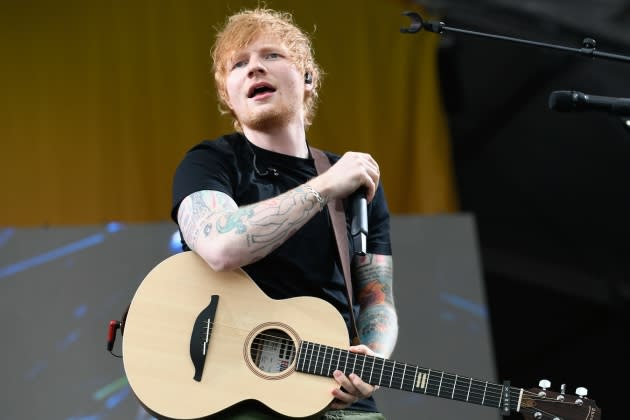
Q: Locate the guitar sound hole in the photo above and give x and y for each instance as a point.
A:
(272, 351)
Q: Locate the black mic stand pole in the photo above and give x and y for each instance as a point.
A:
(588, 44)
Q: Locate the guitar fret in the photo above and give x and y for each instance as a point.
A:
(468, 393)
(477, 394)
(454, 386)
(331, 359)
(319, 346)
(338, 359)
(298, 360)
(345, 364)
(415, 378)
(305, 347)
(484, 393)
(310, 358)
(380, 378)
(321, 372)
(362, 366)
(393, 371)
(402, 381)
(428, 381)
(440, 387)
(372, 370)
(325, 359)
(461, 389)
(396, 375)
(299, 357)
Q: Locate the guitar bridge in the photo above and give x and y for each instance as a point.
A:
(200, 338)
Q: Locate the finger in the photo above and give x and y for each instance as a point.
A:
(346, 384)
(373, 164)
(364, 390)
(353, 386)
(370, 178)
(345, 397)
(362, 349)
(342, 399)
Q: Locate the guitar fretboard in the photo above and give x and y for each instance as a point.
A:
(323, 360)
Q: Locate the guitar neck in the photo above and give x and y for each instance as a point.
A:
(323, 360)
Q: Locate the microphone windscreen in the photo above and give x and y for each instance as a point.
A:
(561, 100)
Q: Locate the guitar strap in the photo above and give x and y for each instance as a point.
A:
(338, 218)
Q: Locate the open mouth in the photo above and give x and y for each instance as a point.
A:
(259, 89)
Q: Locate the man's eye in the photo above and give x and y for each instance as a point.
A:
(273, 55)
(239, 64)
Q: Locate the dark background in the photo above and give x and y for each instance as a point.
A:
(549, 190)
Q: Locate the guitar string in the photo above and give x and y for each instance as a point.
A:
(492, 393)
(448, 379)
(491, 389)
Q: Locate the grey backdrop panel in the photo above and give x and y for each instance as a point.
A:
(60, 287)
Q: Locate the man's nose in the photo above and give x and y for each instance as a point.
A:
(256, 66)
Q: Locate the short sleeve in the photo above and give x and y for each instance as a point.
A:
(209, 165)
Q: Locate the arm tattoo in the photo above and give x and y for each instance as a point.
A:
(196, 215)
(378, 322)
(262, 226)
(235, 221)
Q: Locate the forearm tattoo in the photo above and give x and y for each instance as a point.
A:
(377, 322)
(262, 226)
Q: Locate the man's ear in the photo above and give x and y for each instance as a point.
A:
(308, 82)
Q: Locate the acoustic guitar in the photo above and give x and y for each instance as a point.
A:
(197, 342)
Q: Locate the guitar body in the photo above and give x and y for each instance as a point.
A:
(157, 343)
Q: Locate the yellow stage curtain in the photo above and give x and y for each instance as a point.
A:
(102, 99)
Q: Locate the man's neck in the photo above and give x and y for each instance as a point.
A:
(288, 139)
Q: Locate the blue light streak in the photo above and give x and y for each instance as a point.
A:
(5, 235)
(52, 255)
(459, 302)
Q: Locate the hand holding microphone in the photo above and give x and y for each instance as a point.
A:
(354, 176)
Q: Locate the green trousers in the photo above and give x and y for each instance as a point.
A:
(330, 415)
(253, 410)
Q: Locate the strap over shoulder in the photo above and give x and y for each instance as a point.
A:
(338, 218)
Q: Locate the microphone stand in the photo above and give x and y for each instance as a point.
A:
(588, 44)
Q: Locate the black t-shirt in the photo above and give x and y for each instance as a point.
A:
(307, 264)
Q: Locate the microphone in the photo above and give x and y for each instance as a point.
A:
(572, 101)
(359, 226)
